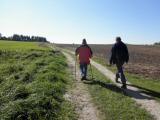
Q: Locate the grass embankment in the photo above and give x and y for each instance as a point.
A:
(146, 85)
(112, 102)
(32, 83)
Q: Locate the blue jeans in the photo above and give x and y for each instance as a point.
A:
(120, 73)
(83, 68)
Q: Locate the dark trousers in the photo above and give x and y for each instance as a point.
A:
(83, 68)
(120, 73)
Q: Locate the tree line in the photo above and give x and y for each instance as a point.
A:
(157, 43)
(26, 38)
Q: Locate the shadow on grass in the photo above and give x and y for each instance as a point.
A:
(147, 91)
(114, 88)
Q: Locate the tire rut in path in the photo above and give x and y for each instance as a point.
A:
(79, 95)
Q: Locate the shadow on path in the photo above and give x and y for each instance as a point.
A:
(127, 92)
(146, 91)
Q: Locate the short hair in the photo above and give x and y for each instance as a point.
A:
(84, 42)
(118, 39)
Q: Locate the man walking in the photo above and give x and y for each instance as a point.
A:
(85, 53)
(119, 55)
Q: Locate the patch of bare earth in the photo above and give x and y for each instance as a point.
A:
(149, 71)
(79, 95)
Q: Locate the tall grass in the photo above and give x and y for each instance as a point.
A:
(32, 84)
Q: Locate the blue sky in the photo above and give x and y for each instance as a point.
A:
(69, 21)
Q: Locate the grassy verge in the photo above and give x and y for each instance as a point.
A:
(146, 85)
(112, 102)
(32, 83)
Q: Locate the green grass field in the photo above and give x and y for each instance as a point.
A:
(14, 45)
(33, 82)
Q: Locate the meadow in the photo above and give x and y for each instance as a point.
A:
(33, 82)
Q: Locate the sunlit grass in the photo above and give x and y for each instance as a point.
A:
(33, 82)
(112, 101)
(14, 45)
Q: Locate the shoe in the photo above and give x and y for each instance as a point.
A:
(124, 86)
(116, 79)
(83, 78)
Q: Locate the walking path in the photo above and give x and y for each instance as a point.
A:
(145, 101)
(79, 95)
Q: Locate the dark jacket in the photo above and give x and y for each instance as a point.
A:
(119, 53)
(85, 53)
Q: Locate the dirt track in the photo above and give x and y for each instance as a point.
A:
(145, 101)
(79, 95)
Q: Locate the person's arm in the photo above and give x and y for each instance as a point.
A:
(76, 52)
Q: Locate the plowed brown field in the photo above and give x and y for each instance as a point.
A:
(144, 59)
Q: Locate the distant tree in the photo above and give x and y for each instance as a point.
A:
(9, 38)
(17, 37)
(38, 39)
(3, 38)
(157, 43)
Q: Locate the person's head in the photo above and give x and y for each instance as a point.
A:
(118, 39)
(84, 42)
